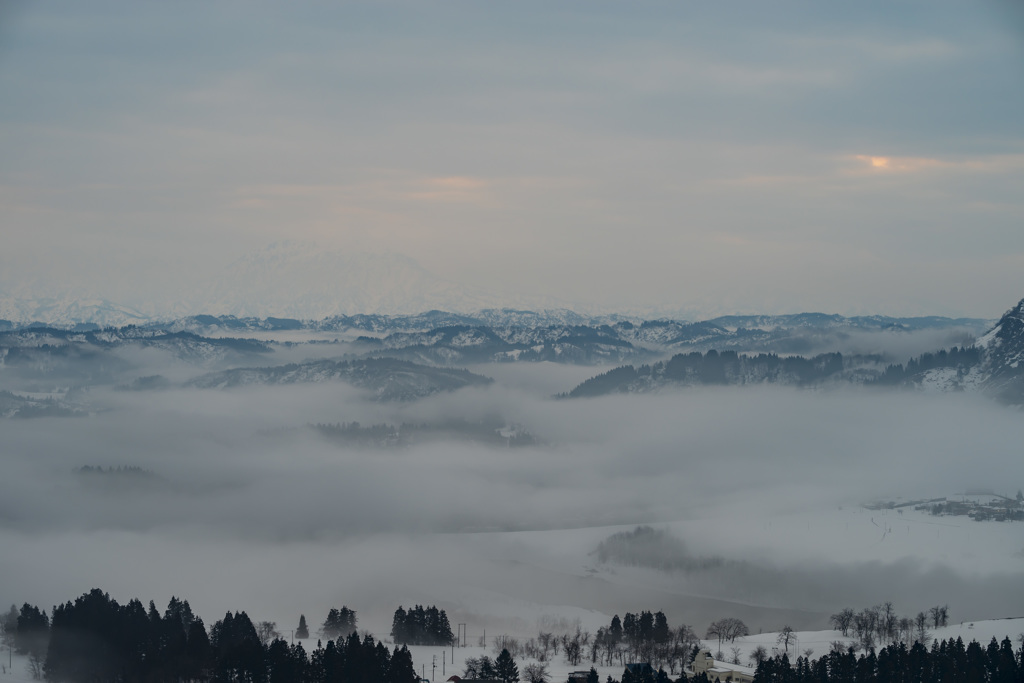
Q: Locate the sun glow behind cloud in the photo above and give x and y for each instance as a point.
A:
(902, 164)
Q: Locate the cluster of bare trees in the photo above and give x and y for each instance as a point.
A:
(572, 646)
(727, 629)
(545, 646)
(881, 624)
(643, 637)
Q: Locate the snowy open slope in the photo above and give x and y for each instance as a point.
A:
(818, 642)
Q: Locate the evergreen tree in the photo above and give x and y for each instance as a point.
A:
(285, 664)
(661, 632)
(31, 631)
(237, 648)
(615, 630)
(302, 632)
(339, 623)
(198, 652)
(399, 632)
(401, 669)
(505, 668)
(646, 627)
(421, 626)
(631, 629)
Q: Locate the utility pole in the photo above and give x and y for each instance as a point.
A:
(433, 666)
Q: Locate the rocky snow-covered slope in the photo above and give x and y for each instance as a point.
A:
(1002, 372)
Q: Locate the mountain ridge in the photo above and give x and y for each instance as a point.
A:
(993, 365)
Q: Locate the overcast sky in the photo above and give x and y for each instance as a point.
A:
(775, 157)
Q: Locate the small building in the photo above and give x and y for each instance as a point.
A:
(578, 676)
(721, 672)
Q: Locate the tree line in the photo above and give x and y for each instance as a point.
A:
(717, 368)
(949, 661)
(729, 367)
(640, 637)
(419, 626)
(94, 640)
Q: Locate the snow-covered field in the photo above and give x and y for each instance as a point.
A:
(818, 641)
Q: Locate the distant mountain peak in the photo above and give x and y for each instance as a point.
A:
(303, 280)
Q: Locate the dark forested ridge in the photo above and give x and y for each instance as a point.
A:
(994, 365)
(731, 368)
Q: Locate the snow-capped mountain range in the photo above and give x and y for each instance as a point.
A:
(286, 280)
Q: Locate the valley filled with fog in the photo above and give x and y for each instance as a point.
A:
(491, 498)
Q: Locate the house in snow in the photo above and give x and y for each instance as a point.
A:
(720, 672)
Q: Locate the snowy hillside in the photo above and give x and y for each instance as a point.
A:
(384, 378)
(1003, 370)
(66, 309)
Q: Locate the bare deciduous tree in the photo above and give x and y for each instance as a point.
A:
(35, 665)
(887, 621)
(842, 621)
(536, 673)
(785, 637)
(267, 631)
(514, 647)
(729, 629)
(716, 629)
(921, 628)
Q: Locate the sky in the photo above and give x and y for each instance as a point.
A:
(728, 157)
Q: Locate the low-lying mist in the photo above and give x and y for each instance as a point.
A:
(236, 501)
